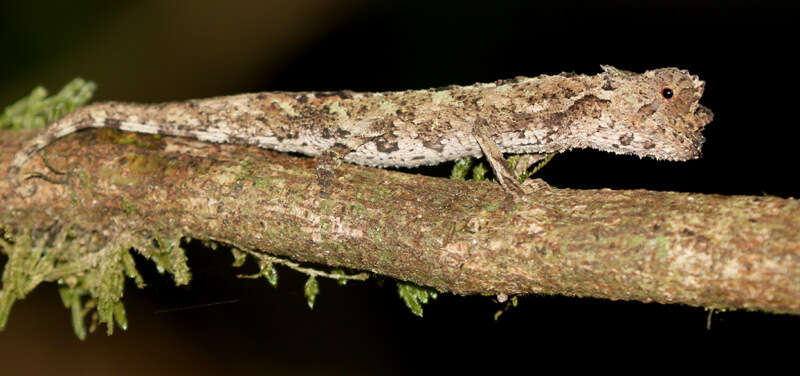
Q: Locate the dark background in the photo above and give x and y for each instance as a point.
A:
(150, 51)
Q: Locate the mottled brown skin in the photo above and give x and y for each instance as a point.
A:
(616, 111)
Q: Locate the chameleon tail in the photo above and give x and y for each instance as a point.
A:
(71, 123)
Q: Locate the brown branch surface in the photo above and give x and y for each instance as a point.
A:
(458, 236)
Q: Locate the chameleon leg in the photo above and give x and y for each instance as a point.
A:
(39, 175)
(500, 168)
(15, 177)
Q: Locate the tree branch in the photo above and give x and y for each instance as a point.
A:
(464, 237)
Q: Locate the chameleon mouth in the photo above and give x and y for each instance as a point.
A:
(694, 138)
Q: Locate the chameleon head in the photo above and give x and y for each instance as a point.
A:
(660, 111)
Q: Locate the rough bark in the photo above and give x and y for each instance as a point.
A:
(464, 237)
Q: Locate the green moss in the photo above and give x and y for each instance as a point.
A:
(340, 272)
(357, 209)
(381, 193)
(25, 269)
(479, 172)
(146, 141)
(115, 176)
(266, 270)
(415, 296)
(636, 241)
(91, 282)
(492, 206)
(512, 303)
(384, 258)
(171, 257)
(239, 257)
(461, 168)
(271, 274)
(325, 225)
(37, 110)
(310, 290)
(513, 160)
(326, 206)
(127, 207)
(145, 165)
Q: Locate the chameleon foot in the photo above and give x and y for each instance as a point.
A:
(496, 160)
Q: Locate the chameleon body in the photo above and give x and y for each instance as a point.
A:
(652, 114)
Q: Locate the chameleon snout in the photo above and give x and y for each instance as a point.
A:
(702, 116)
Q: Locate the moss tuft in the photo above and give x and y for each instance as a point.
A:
(415, 296)
(37, 109)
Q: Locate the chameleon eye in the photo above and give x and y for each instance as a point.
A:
(667, 93)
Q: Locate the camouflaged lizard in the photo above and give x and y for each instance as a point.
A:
(653, 114)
